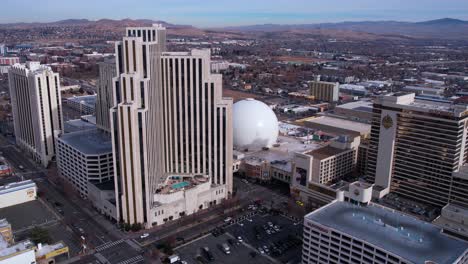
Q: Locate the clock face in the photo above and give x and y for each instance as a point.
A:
(356, 192)
(387, 122)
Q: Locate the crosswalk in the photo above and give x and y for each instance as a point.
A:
(133, 260)
(108, 245)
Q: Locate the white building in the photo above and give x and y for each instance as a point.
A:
(184, 195)
(345, 232)
(3, 49)
(17, 193)
(22, 252)
(12, 252)
(169, 119)
(102, 196)
(36, 107)
(85, 156)
(85, 104)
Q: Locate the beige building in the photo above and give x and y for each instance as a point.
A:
(324, 91)
(318, 174)
(170, 120)
(418, 149)
(36, 107)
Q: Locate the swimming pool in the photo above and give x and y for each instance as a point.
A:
(180, 185)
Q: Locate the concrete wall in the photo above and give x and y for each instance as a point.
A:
(18, 197)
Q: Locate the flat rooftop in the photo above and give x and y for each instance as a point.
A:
(89, 142)
(89, 100)
(105, 186)
(15, 186)
(285, 150)
(405, 236)
(78, 125)
(365, 106)
(6, 250)
(46, 249)
(325, 152)
(340, 123)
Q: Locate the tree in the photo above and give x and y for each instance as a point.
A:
(40, 235)
(136, 227)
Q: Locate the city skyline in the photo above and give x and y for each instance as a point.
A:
(228, 13)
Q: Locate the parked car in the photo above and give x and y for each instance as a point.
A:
(206, 251)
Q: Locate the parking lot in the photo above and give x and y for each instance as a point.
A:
(239, 252)
(274, 235)
(27, 215)
(258, 238)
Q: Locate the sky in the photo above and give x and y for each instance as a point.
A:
(218, 13)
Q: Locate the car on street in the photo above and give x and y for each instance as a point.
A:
(239, 238)
(260, 249)
(145, 235)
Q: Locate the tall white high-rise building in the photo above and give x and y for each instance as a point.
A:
(105, 94)
(171, 129)
(3, 50)
(36, 107)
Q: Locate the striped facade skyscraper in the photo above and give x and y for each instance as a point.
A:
(418, 149)
(36, 106)
(171, 129)
(105, 94)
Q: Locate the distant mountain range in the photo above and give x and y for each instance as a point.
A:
(86, 22)
(445, 28)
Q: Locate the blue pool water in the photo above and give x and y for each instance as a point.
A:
(180, 185)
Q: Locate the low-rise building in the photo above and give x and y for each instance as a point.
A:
(85, 156)
(360, 111)
(182, 195)
(344, 232)
(318, 174)
(17, 193)
(421, 90)
(102, 196)
(12, 252)
(454, 221)
(338, 126)
(21, 252)
(85, 104)
(51, 254)
(353, 89)
(9, 60)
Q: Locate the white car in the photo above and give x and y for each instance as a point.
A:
(239, 238)
(145, 235)
(260, 249)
